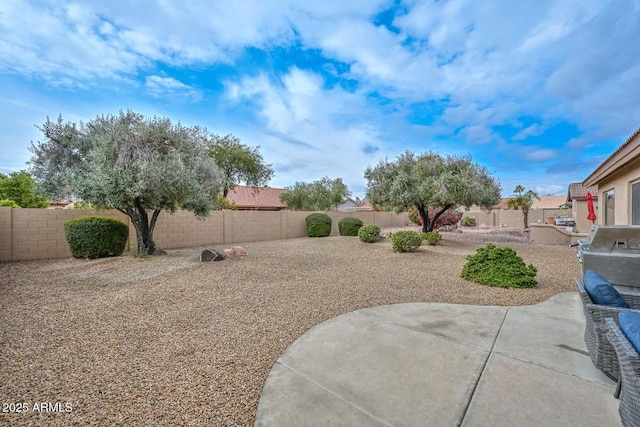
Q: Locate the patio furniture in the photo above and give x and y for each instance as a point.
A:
(600, 349)
(629, 383)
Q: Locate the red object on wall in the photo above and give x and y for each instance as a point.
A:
(592, 212)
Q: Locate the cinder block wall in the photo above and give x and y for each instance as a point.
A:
(39, 233)
(182, 228)
(5, 232)
(295, 224)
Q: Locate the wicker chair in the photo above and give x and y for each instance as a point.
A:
(629, 383)
(600, 349)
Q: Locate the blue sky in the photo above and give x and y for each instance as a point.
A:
(539, 91)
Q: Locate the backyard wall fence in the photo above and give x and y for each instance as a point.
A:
(39, 233)
(514, 218)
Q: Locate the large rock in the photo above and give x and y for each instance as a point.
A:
(211, 255)
(234, 252)
(239, 252)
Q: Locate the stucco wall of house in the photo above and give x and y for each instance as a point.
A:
(620, 182)
(579, 211)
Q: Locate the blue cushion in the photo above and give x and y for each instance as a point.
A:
(630, 325)
(601, 291)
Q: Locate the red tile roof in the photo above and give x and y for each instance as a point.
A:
(502, 204)
(579, 192)
(256, 198)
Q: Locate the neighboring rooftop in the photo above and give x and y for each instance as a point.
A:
(577, 191)
(549, 202)
(502, 204)
(252, 198)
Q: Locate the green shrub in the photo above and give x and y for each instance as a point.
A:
(499, 266)
(8, 203)
(318, 225)
(349, 226)
(468, 221)
(369, 233)
(414, 215)
(405, 241)
(96, 237)
(224, 203)
(82, 205)
(432, 238)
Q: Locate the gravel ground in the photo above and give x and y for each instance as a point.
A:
(173, 341)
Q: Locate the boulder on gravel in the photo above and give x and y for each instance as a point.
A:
(211, 255)
(234, 252)
(239, 252)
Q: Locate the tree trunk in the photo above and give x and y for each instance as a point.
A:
(144, 236)
(525, 214)
(435, 218)
(144, 230)
(428, 225)
(424, 215)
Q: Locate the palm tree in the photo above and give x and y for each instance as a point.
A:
(522, 198)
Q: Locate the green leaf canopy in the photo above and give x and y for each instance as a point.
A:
(430, 181)
(129, 163)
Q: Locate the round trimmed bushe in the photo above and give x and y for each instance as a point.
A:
(369, 233)
(318, 225)
(96, 237)
(349, 226)
(432, 238)
(406, 241)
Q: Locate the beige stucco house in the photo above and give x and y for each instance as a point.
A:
(618, 181)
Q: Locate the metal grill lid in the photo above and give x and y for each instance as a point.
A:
(606, 238)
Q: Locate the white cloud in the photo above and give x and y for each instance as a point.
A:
(533, 130)
(318, 131)
(538, 154)
(552, 189)
(160, 87)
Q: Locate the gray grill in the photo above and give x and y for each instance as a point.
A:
(614, 252)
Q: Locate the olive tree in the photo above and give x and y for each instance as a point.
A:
(430, 181)
(139, 166)
(321, 195)
(238, 163)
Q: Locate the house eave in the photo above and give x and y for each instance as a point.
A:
(625, 154)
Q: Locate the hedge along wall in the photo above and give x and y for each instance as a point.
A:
(39, 233)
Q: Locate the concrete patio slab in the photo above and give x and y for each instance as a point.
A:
(547, 342)
(436, 319)
(515, 393)
(442, 364)
(398, 375)
(306, 404)
(562, 307)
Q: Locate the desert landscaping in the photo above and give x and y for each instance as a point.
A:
(171, 340)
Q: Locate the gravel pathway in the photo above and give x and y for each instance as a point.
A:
(173, 341)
